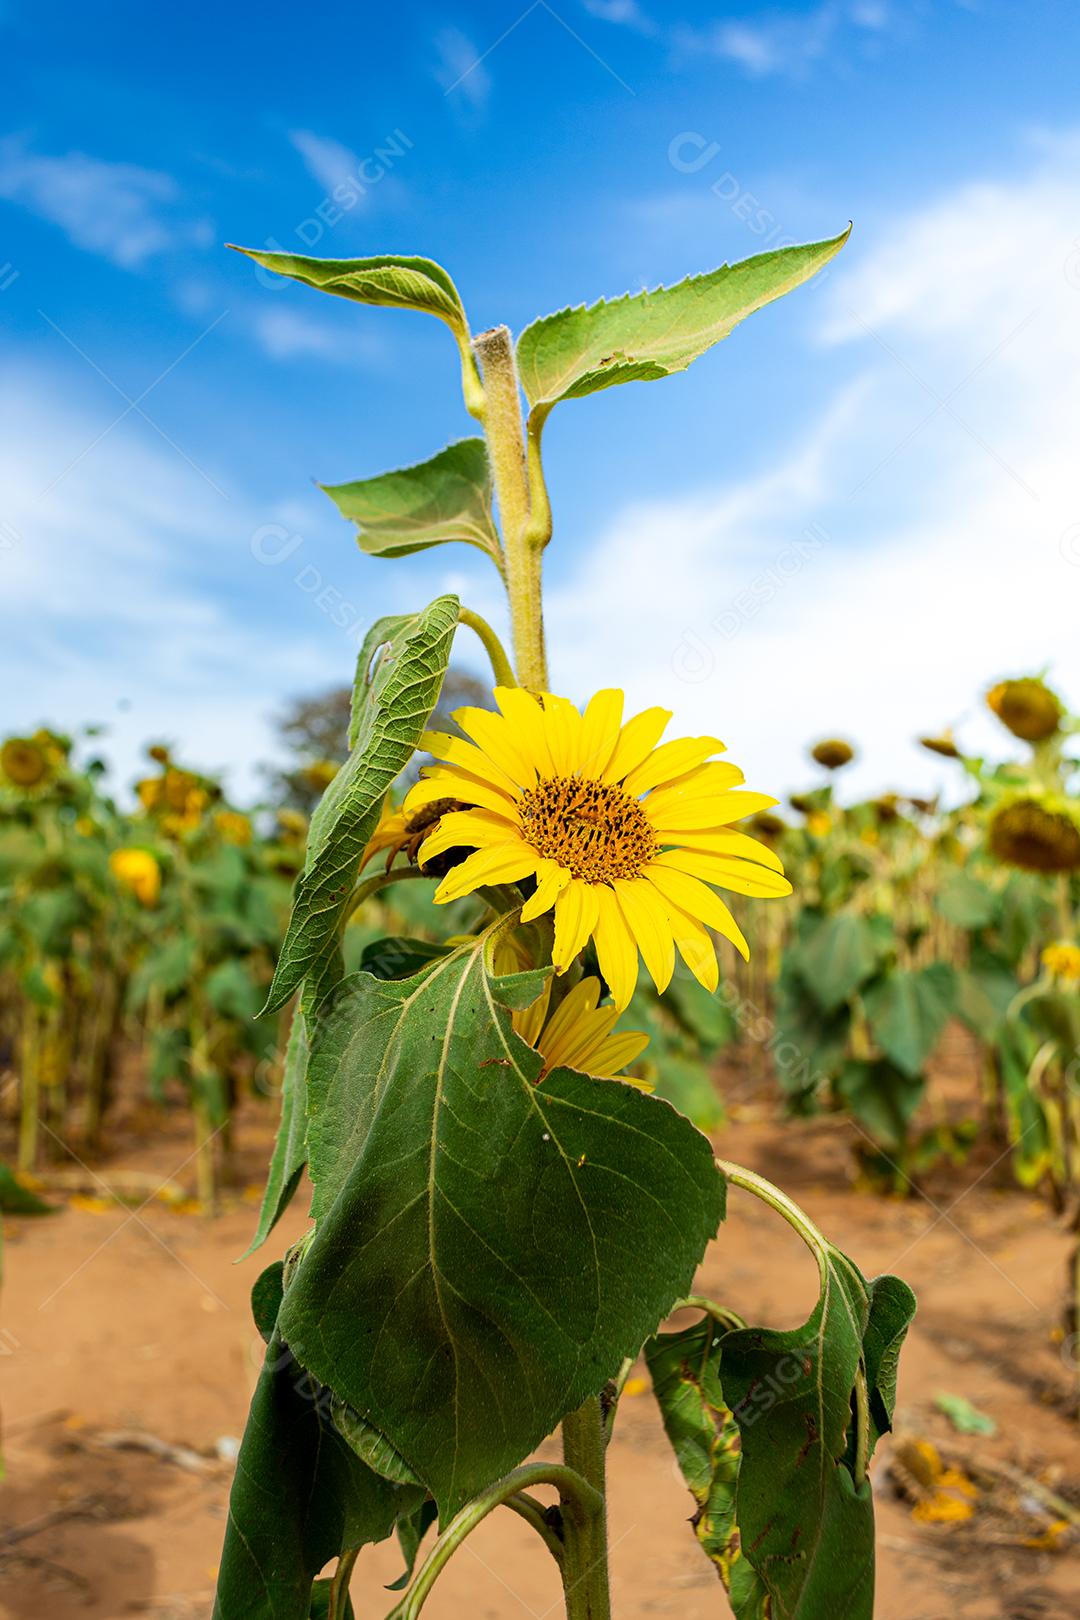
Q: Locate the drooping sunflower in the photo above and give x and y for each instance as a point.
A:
(1037, 835)
(24, 762)
(622, 837)
(1027, 706)
(941, 744)
(832, 752)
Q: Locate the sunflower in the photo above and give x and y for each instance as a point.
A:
(234, 827)
(942, 744)
(24, 762)
(1027, 706)
(137, 870)
(621, 837)
(833, 753)
(1062, 961)
(580, 1034)
(1035, 835)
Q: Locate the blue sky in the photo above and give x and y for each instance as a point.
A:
(851, 516)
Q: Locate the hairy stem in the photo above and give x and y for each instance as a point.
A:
(500, 663)
(506, 447)
(579, 1502)
(585, 1563)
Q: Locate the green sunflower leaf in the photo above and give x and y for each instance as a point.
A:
(397, 280)
(764, 1430)
(300, 1495)
(487, 1248)
(446, 498)
(908, 1011)
(399, 676)
(642, 336)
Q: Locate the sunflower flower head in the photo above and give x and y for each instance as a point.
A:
(24, 763)
(1062, 961)
(623, 839)
(941, 743)
(138, 871)
(832, 752)
(1036, 835)
(234, 827)
(1027, 706)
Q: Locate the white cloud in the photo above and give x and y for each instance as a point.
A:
(285, 334)
(459, 68)
(876, 580)
(328, 162)
(124, 213)
(789, 43)
(133, 595)
(625, 12)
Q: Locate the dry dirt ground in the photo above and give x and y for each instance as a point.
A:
(134, 1321)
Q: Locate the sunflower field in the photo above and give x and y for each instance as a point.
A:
(499, 989)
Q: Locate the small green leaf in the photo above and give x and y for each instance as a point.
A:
(411, 1530)
(290, 1145)
(908, 1011)
(266, 1295)
(446, 498)
(393, 279)
(967, 902)
(965, 1418)
(642, 336)
(399, 678)
(487, 1249)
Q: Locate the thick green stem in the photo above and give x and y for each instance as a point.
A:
(578, 1499)
(506, 448)
(337, 1606)
(29, 1060)
(500, 663)
(585, 1562)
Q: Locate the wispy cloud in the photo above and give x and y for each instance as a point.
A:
(460, 69)
(328, 162)
(788, 43)
(285, 334)
(626, 13)
(122, 212)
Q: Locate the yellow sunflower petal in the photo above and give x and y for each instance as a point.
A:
(570, 1023)
(616, 1052)
(562, 726)
(529, 1021)
(727, 872)
(704, 814)
(648, 921)
(500, 863)
(734, 843)
(575, 918)
(671, 760)
(551, 880)
(616, 948)
(526, 719)
(693, 897)
(456, 751)
(695, 945)
(637, 739)
(439, 783)
(500, 741)
(467, 829)
(600, 730)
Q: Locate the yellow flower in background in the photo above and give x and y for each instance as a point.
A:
(819, 823)
(623, 837)
(1027, 706)
(24, 762)
(293, 823)
(1063, 961)
(138, 871)
(234, 827)
(149, 791)
(319, 774)
(1036, 835)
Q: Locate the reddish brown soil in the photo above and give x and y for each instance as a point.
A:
(114, 1320)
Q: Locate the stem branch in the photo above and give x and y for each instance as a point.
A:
(500, 663)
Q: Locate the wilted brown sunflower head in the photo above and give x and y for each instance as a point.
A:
(942, 744)
(1027, 706)
(833, 753)
(1036, 836)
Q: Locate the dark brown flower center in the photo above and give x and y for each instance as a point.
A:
(595, 830)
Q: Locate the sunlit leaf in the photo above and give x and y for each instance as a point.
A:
(446, 498)
(397, 280)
